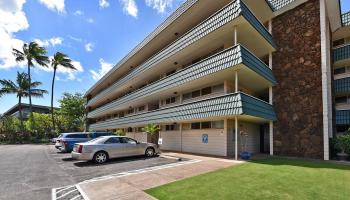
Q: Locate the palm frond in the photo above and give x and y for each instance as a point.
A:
(38, 92)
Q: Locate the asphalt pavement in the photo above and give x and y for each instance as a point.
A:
(31, 171)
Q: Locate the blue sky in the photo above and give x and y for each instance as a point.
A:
(96, 34)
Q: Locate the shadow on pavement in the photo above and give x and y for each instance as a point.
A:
(112, 161)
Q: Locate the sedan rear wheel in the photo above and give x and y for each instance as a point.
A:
(100, 157)
(149, 152)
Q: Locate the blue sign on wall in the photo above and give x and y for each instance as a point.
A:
(205, 138)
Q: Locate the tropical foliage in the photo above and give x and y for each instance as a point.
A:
(59, 59)
(21, 89)
(32, 54)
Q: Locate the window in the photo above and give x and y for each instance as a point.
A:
(129, 130)
(77, 136)
(206, 91)
(141, 108)
(341, 99)
(170, 100)
(338, 42)
(121, 114)
(339, 70)
(130, 111)
(187, 96)
(170, 127)
(218, 124)
(112, 140)
(126, 140)
(206, 125)
(196, 93)
(196, 125)
(218, 88)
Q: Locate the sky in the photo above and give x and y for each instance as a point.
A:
(95, 34)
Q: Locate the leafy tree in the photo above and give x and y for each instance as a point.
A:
(153, 130)
(59, 59)
(42, 125)
(21, 88)
(73, 110)
(31, 53)
(120, 132)
(9, 127)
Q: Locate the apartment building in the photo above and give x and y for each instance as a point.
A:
(221, 77)
(341, 63)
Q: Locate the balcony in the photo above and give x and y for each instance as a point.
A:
(342, 117)
(345, 19)
(342, 86)
(218, 27)
(217, 67)
(225, 106)
(341, 55)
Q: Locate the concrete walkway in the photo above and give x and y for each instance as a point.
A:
(131, 185)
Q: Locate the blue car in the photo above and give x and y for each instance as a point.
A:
(65, 142)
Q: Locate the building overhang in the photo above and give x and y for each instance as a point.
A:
(228, 105)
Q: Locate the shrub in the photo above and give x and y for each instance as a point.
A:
(342, 143)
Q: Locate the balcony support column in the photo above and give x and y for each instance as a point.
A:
(271, 137)
(235, 36)
(236, 138)
(236, 81)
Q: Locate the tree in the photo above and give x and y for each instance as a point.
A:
(21, 88)
(73, 110)
(153, 130)
(31, 53)
(59, 59)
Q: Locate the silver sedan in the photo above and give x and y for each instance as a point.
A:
(103, 148)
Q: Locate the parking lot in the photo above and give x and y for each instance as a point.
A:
(31, 171)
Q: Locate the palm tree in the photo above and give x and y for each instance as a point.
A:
(152, 129)
(31, 53)
(21, 88)
(59, 59)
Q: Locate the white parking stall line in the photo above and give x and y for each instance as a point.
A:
(139, 171)
(74, 192)
(82, 193)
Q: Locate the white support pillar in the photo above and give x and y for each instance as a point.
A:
(236, 138)
(235, 35)
(270, 26)
(236, 81)
(271, 137)
(180, 128)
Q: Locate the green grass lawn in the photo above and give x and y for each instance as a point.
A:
(275, 178)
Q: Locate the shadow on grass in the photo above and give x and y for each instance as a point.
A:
(113, 161)
(299, 162)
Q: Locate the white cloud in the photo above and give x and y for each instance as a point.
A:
(90, 20)
(54, 5)
(70, 73)
(12, 20)
(103, 3)
(49, 42)
(130, 7)
(89, 47)
(75, 38)
(160, 5)
(78, 13)
(104, 68)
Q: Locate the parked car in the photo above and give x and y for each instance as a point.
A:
(65, 142)
(101, 149)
